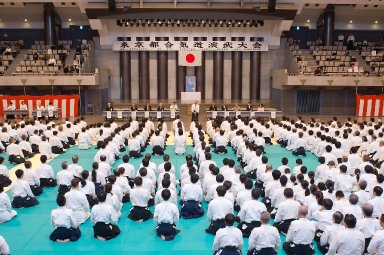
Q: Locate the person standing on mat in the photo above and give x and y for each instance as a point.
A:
(64, 223)
(104, 218)
(166, 217)
(195, 111)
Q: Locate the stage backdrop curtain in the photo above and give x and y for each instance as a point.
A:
(68, 104)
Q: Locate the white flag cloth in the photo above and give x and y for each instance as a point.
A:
(189, 58)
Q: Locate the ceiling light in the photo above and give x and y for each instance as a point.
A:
(25, 20)
(69, 20)
(350, 21)
(376, 22)
(308, 20)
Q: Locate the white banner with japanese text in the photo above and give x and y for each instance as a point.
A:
(189, 45)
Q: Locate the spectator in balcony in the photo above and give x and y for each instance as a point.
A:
(319, 42)
(35, 56)
(51, 61)
(365, 42)
(7, 50)
(318, 71)
(351, 41)
(340, 38)
(365, 72)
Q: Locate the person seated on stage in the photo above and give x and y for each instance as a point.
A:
(173, 107)
(264, 239)
(26, 147)
(84, 140)
(40, 107)
(134, 108)
(6, 212)
(22, 193)
(157, 144)
(166, 217)
(23, 106)
(104, 218)
(221, 143)
(11, 107)
(140, 197)
(147, 107)
(191, 197)
(260, 108)
(236, 108)
(56, 143)
(109, 107)
(180, 142)
(32, 178)
(217, 209)
(64, 223)
(45, 147)
(287, 212)
(45, 172)
(35, 140)
(249, 106)
(15, 154)
(376, 246)
(249, 214)
(64, 178)
(160, 107)
(134, 146)
(213, 107)
(4, 174)
(77, 201)
(224, 107)
(348, 241)
(228, 240)
(51, 108)
(330, 232)
(300, 234)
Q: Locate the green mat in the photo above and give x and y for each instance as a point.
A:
(28, 233)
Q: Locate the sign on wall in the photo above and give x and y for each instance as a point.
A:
(189, 45)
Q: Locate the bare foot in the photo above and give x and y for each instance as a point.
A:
(62, 241)
(100, 238)
(139, 221)
(163, 237)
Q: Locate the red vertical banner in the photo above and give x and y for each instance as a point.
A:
(369, 106)
(71, 110)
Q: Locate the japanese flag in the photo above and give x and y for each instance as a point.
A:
(189, 58)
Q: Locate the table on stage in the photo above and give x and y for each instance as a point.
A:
(247, 114)
(121, 114)
(15, 112)
(46, 113)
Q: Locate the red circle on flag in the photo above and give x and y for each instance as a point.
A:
(190, 58)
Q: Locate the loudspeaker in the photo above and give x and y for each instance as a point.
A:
(271, 5)
(112, 5)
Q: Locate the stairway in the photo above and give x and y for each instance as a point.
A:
(16, 62)
(360, 61)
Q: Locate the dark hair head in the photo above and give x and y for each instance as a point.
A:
(101, 196)
(350, 220)
(165, 194)
(288, 193)
(19, 173)
(229, 219)
(256, 193)
(61, 200)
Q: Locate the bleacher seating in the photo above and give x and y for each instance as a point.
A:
(6, 58)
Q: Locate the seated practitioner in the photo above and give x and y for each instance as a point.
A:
(45, 172)
(113, 200)
(4, 174)
(330, 232)
(368, 225)
(88, 188)
(287, 212)
(180, 142)
(300, 145)
(26, 147)
(98, 177)
(300, 235)
(4, 248)
(22, 193)
(376, 246)
(166, 217)
(64, 223)
(6, 212)
(35, 140)
(250, 212)
(56, 144)
(84, 140)
(134, 146)
(217, 209)
(228, 240)
(244, 194)
(166, 184)
(77, 201)
(45, 147)
(32, 178)
(104, 219)
(15, 154)
(129, 170)
(324, 217)
(122, 183)
(221, 143)
(191, 197)
(157, 144)
(264, 240)
(139, 198)
(75, 168)
(349, 241)
(64, 178)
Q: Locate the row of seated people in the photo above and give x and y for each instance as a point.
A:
(309, 207)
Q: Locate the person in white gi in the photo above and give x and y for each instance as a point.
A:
(376, 246)
(84, 140)
(195, 111)
(6, 212)
(264, 239)
(77, 201)
(228, 240)
(180, 142)
(4, 248)
(217, 209)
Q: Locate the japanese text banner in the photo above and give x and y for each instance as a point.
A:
(189, 45)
